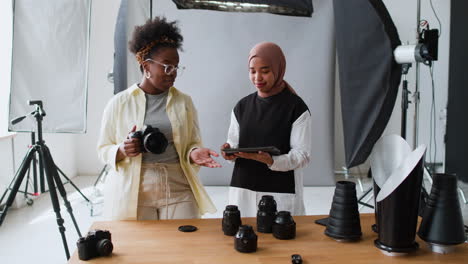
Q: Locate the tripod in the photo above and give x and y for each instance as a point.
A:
(47, 165)
(33, 167)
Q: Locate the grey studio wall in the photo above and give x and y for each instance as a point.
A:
(216, 47)
(82, 147)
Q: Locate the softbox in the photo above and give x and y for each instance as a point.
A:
(369, 75)
(50, 63)
(280, 7)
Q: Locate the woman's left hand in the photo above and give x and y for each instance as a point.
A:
(202, 157)
(261, 156)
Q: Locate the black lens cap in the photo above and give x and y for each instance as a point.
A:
(296, 259)
(187, 228)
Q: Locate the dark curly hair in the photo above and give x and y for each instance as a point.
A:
(155, 34)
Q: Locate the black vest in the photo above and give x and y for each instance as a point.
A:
(266, 122)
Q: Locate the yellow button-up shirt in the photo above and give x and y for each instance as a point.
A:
(125, 110)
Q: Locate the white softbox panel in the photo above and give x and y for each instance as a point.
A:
(50, 63)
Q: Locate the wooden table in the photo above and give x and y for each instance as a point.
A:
(161, 242)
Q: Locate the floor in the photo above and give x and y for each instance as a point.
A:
(30, 234)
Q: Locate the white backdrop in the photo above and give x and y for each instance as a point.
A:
(216, 46)
(49, 63)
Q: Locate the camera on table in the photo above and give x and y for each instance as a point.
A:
(96, 243)
(152, 140)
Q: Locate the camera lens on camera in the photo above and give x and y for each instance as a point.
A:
(245, 240)
(155, 142)
(231, 220)
(151, 140)
(284, 226)
(104, 247)
(96, 243)
(266, 214)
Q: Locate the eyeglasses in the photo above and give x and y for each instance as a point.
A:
(168, 68)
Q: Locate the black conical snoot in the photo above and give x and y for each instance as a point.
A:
(344, 222)
(442, 221)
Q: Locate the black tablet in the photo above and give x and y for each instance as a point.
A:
(272, 150)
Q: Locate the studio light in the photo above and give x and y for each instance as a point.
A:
(280, 7)
(425, 51)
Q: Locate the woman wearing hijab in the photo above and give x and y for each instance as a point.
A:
(274, 115)
(145, 185)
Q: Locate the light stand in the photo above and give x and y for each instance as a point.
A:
(425, 51)
(404, 98)
(404, 109)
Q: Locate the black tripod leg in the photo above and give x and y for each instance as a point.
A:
(60, 188)
(17, 183)
(74, 186)
(41, 173)
(34, 163)
(29, 201)
(49, 172)
(16, 175)
(27, 183)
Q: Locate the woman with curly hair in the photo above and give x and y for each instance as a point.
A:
(144, 185)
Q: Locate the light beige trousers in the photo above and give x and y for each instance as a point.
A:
(164, 193)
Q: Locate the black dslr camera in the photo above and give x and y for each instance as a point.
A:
(96, 243)
(152, 140)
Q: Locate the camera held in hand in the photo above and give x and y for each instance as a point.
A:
(96, 243)
(152, 140)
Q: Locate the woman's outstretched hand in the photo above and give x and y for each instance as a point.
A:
(202, 157)
(261, 156)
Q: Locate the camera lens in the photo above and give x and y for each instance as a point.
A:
(155, 142)
(104, 247)
(266, 214)
(245, 240)
(231, 220)
(267, 203)
(284, 226)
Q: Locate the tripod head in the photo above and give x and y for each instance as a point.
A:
(37, 113)
(39, 109)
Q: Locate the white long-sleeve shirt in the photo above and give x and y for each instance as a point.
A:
(297, 158)
(125, 110)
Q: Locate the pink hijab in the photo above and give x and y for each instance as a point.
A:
(273, 55)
